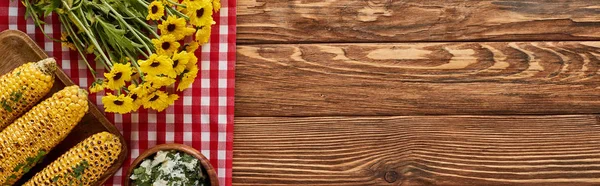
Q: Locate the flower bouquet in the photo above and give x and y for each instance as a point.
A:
(147, 47)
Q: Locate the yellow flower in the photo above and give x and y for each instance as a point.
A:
(179, 61)
(159, 100)
(117, 104)
(137, 94)
(97, 86)
(216, 5)
(189, 74)
(203, 34)
(175, 26)
(200, 12)
(155, 11)
(118, 76)
(158, 65)
(166, 44)
(188, 77)
(191, 47)
(192, 2)
(156, 82)
(67, 41)
(193, 59)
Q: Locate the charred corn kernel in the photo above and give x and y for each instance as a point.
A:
(23, 87)
(84, 164)
(26, 141)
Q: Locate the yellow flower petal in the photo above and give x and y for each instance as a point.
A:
(67, 41)
(188, 78)
(200, 12)
(97, 87)
(203, 34)
(138, 94)
(166, 45)
(216, 5)
(158, 65)
(176, 26)
(155, 11)
(160, 100)
(158, 82)
(180, 60)
(117, 104)
(118, 76)
(192, 47)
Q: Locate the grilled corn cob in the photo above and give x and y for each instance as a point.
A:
(83, 164)
(27, 140)
(23, 87)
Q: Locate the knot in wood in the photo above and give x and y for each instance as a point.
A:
(390, 176)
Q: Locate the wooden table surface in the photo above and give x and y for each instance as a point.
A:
(417, 92)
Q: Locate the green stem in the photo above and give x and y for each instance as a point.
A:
(142, 52)
(177, 13)
(110, 55)
(120, 18)
(168, 12)
(144, 24)
(148, 41)
(107, 65)
(137, 32)
(76, 7)
(177, 4)
(79, 45)
(136, 65)
(85, 21)
(88, 33)
(143, 3)
(36, 20)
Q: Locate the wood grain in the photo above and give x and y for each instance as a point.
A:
(325, 21)
(16, 48)
(418, 79)
(417, 150)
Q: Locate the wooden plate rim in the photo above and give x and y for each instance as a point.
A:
(92, 109)
(212, 174)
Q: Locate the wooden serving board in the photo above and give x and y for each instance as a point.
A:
(16, 48)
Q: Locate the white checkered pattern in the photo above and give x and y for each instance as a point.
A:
(202, 117)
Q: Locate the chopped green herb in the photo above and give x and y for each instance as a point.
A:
(18, 167)
(9, 179)
(171, 168)
(6, 106)
(55, 178)
(14, 98)
(79, 169)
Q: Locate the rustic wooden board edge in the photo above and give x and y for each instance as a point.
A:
(93, 110)
(205, 163)
(417, 150)
(273, 21)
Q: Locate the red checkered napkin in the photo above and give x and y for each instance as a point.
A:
(201, 118)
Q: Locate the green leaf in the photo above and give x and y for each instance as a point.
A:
(115, 38)
(18, 167)
(103, 8)
(6, 106)
(79, 169)
(139, 170)
(55, 178)
(49, 7)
